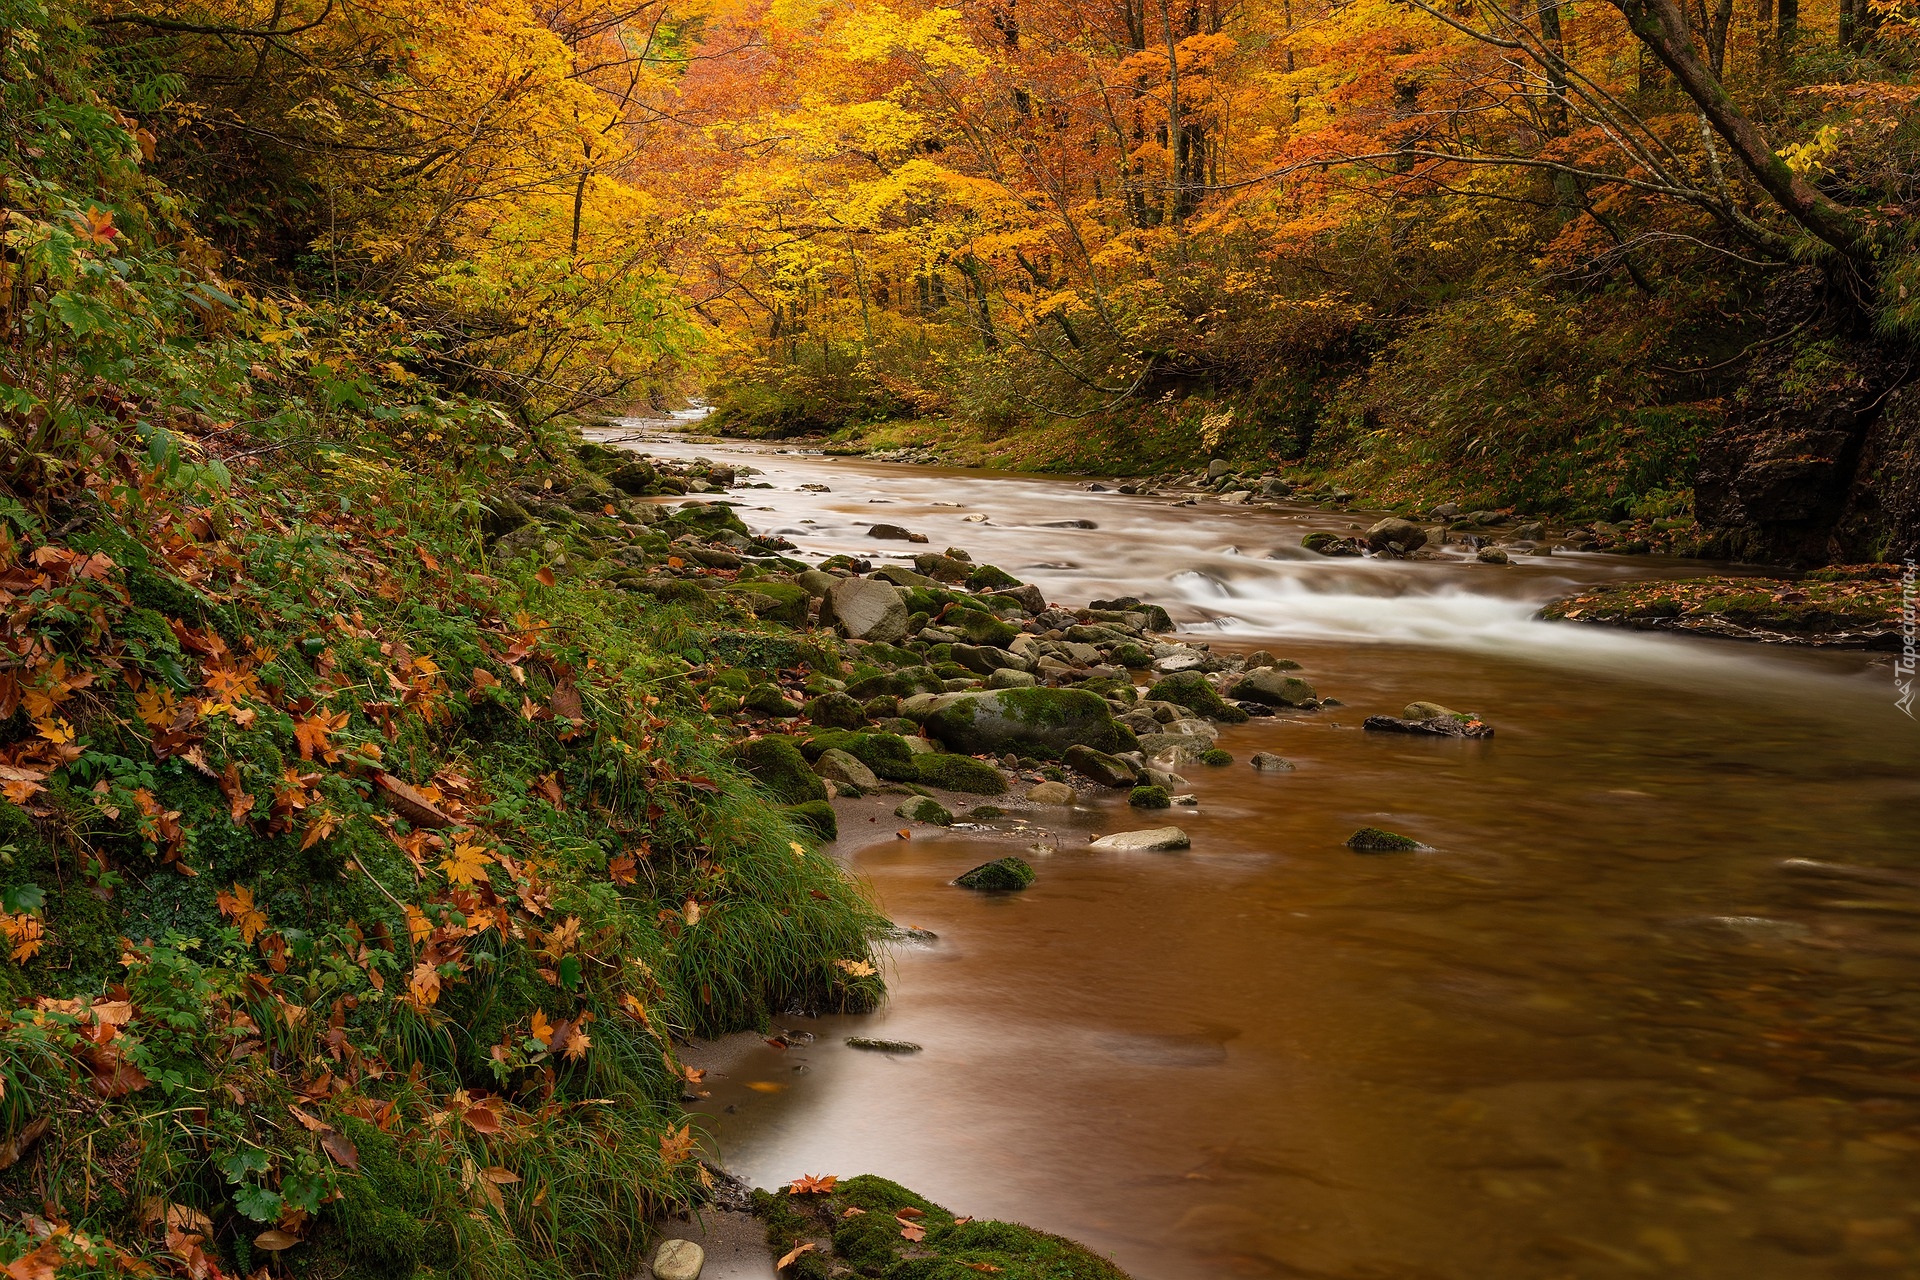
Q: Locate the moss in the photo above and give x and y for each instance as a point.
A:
(924, 809)
(767, 700)
(816, 816)
(1217, 758)
(1149, 798)
(390, 1222)
(778, 602)
(869, 1242)
(1002, 875)
(989, 578)
(1193, 691)
(836, 711)
(1042, 723)
(959, 773)
(777, 765)
(981, 628)
(1374, 840)
(886, 754)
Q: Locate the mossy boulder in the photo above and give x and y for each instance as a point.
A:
(870, 1242)
(837, 711)
(959, 773)
(816, 816)
(1374, 840)
(1149, 798)
(989, 578)
(1002, 875)
(924, 809)
(1217, 758)
(1031, 722)
(775, 763)
(1193, 691)
(778, 602)
(1107, 770)
(767, 700)
(1274, 688)
(887, 754)
(981, 627)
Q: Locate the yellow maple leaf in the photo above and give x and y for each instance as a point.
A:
(577, 1045)
(418, 926)
(464, 864)
(542, 1029)
(423, 986)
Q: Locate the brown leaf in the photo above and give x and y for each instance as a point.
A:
(909, 1212)
(813, 1184)
(566, 701)
(274, 1240)
(16, 1146)
(311, 1124)
(341, 1148)
(786, 1259)
(545, 577)
(482, 1120)
(911, 1230)
(408, 801)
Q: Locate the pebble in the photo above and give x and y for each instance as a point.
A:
(678, 1260)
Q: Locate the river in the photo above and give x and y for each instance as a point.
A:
(1598, 1030)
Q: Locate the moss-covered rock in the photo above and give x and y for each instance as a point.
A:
(1002, 875)
(924, 809)
(981, 627)
(1274, 688)
(837, 711)
(767, 700)
(989, 578)
(959, 773)
(1217, 758)
(870, 1242)
(1193, 691)
(778, 602)
(1107, 770)
(1034, 722)
(816, 816)
(1149, 798)
(887, 754)
(776, 764)
(1374, 840)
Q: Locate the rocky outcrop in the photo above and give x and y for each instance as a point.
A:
(1819, 460)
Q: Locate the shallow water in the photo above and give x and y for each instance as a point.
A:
(1598, 1030)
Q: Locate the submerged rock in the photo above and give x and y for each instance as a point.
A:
(882, 1046)
(1002, 875)
(1156, 840)
(1267, 762)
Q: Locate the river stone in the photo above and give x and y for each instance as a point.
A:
(1374, 840)
(1429, 711)
(1050, 793)
(1267, 762)
(1026, 595)
(1493, 555)
(816, 582)
(900, 577)
(882, 1046)
(1404, 533)
(1159, 839)
(678, 1260)
(894, 532)
(986, 659)
(839, 766)
(1218, 467)
(1179, 662)
(1273, 688)
(1002, 875)
(1175, 748)
(1039, 722)
(1108, 771)
(924, 809)
(982, 628)
(1443, 727)
(865, 609)
(1010, 678)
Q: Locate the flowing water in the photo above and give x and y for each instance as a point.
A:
(1603, 1028)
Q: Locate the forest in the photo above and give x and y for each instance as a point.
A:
(382, 810)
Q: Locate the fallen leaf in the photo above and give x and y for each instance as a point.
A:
(786, 1259)
(911, 1230)
(813, 1184)
(909, 1212)
(273, 1240)
(904, 834)
(545, 577)
(854, 1211)
(341, 1148)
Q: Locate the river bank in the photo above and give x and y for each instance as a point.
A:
(1532, 1045)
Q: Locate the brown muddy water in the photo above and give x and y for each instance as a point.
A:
(1604, 1028)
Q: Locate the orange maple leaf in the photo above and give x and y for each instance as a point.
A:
(313, 734)
(813, 1184)
(238, 906)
